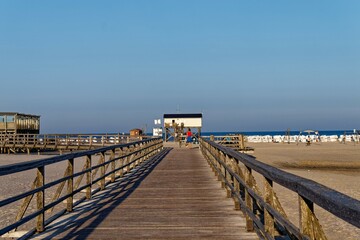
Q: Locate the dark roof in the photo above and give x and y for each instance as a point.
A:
(183, 115)
(17, 113)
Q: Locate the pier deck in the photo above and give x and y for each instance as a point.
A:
(175, 198)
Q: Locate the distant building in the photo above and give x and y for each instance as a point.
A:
(176, 124)
(135, 132)
(19, 123)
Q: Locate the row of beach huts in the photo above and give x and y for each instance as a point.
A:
(303, 138)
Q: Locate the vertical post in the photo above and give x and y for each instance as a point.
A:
(306, 210)
(248, 200)
(90, 142)
(40, 198)
(70, 185)
(135, 149)
(269, 198)
(88, 177)
(218, 164)
(144, 152)
(228, 177)
(121, 162)
(130, 158)
(126, 160)
(102, 171)
(237, 186)
(112, 157)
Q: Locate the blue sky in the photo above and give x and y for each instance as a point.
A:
(109, 66)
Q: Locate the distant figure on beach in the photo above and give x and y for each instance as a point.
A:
(188, 138)
(308, 141)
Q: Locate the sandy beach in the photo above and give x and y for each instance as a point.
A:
(334, 165)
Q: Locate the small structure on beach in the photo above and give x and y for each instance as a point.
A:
(174, 124)
(19, 123)
(135, 132)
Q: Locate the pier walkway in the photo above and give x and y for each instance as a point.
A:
(174, 197)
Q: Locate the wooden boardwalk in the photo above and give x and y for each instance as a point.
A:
(177, 197)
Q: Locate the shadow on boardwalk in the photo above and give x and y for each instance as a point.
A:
(91, 213)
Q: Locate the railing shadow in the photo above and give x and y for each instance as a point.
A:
(94, 211)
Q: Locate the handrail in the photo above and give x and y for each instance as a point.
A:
(27, 142)
(123, 158)
(242, 186)
(234, 141)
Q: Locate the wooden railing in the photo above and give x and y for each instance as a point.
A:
(235, 141)
(62, 142)
(262, 209)
(112, 162)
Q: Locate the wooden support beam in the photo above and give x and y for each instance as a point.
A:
(88, 177)
(309, 224)
(70, 186)
(269, 198)
(113, 165)
(40, 199)
(248, 199)
(102, 171)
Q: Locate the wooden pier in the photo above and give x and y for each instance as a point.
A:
(175, 198)
(150, 190)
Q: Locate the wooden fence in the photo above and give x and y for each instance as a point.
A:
(113, 162)
(262, 209)
(62, 142)
(235, 141)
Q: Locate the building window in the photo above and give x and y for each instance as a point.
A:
(2, 118)
(9, 119)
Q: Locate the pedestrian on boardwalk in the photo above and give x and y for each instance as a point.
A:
(189, 138)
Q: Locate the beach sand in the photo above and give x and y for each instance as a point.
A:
(334, 165)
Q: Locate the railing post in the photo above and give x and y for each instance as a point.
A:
(222, 173)
(235, 167)
(121, 162)
(248, 200)
(228, 177)
(131, 157)
(269, 198)
(306, 208)
(309, 224)
(102, 171)
(137, 147)
(112, 157)
(127, 159)
(40, 198)
(88, 177)
(70, 186)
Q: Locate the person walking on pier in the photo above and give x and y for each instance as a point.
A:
(188, 138)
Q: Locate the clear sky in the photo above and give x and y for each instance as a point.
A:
(109, 66)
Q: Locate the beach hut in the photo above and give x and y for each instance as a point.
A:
(19, 123)
(135, 132)
(176, 124)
